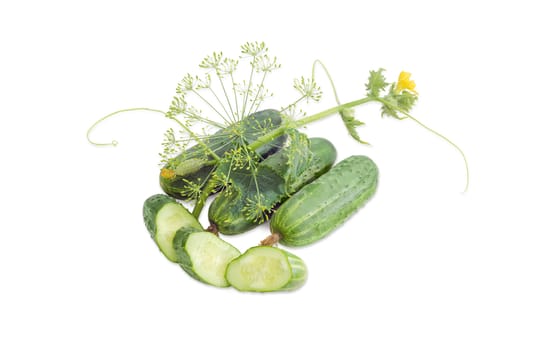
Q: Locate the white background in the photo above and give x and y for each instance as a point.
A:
(422, 266)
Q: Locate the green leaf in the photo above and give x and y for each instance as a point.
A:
(257, 189)
(406, 100)
(254, 189)
(292, 161)
(351, 123)
(389, 107)
(395, 102)
(376, 83)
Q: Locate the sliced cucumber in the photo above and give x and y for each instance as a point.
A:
(266, 269)
(164, 216)
(204, 256)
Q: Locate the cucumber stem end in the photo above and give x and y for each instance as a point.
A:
(271, 240)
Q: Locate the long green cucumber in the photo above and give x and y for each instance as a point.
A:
(266, 269)
(194, 166)
(323, 205)
(204, 256)
(163, 216)
(227, 212)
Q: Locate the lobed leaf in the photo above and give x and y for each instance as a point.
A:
(376, 83)
(259, 187)
(351, 123)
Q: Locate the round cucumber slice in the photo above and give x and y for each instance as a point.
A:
(266, 269)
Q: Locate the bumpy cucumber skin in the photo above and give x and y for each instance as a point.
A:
(226, 217)
(325, 155)
(299, 272)
(324, 150)
(323, 205)
(253, 124)
(226, 211)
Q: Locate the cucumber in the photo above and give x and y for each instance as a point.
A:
(323, 205)
(266, 269)
(227, 213)
(163, 216)
(324, 154)
(204, 256)
(194, 166)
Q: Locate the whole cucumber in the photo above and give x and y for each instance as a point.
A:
(323, 205)
(195, 166)
(227, 212)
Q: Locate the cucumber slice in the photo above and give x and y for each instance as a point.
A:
(204, 256)
(164, 216)
(266, 269)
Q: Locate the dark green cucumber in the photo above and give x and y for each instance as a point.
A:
(266, 269)
(204, 256)
(163, 216)
(323, 205)
(194, 166)
(227, 213)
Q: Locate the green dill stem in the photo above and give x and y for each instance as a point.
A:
(257, 94)
(232, 115)
(407, 115)
(204, 120)
(221, 103)
(211, 106)
(244, 107)
(199, 204)
(303, 121)
(235, 95)
(113, 142)
(196, 138)
(294, 103)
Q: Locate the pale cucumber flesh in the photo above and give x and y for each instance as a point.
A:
(265, 269)
(169, 219)
(209, 256)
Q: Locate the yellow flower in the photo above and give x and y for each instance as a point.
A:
(404, 83)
